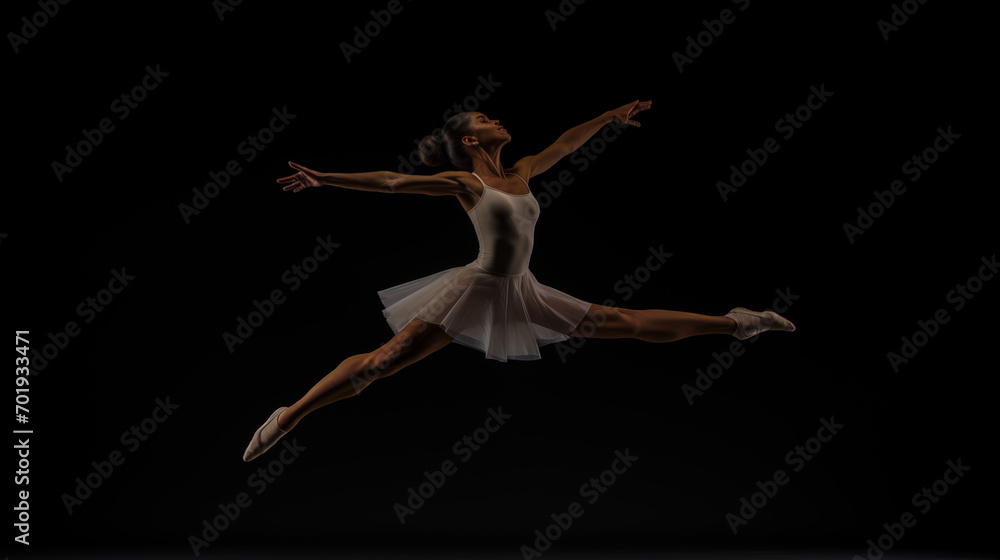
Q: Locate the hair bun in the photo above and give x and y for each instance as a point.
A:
(432, 151)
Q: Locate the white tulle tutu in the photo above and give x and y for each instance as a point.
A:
(506, 317)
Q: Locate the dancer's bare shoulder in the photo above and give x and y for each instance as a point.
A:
(446, 183)
(471, 191)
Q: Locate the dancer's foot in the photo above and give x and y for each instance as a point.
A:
(750, 323)
(266, 436)
(282, 421)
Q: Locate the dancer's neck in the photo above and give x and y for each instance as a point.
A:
(488, 164)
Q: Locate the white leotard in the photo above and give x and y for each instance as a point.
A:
(505, 225)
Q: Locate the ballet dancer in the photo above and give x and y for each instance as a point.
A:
(494, 303)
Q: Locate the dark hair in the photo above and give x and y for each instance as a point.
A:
(445, 147)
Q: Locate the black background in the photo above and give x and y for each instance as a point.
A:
(652, 186)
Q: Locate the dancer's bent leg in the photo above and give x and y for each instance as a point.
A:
(414, 342)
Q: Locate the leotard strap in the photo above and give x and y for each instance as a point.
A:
(522, 180)
(514, 174)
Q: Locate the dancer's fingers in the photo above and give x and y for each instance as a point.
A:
(642, 106)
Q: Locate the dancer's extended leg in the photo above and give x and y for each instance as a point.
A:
(414, 342)
(661, 325)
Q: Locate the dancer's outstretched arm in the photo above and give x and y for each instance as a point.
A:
(577, 136)
(445, 183)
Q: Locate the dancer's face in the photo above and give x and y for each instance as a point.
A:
(488, 131)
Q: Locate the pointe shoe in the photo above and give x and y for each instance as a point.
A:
(265, 436)
(751, 323)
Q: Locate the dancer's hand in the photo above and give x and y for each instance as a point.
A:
(303, 179)
(625, 113)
